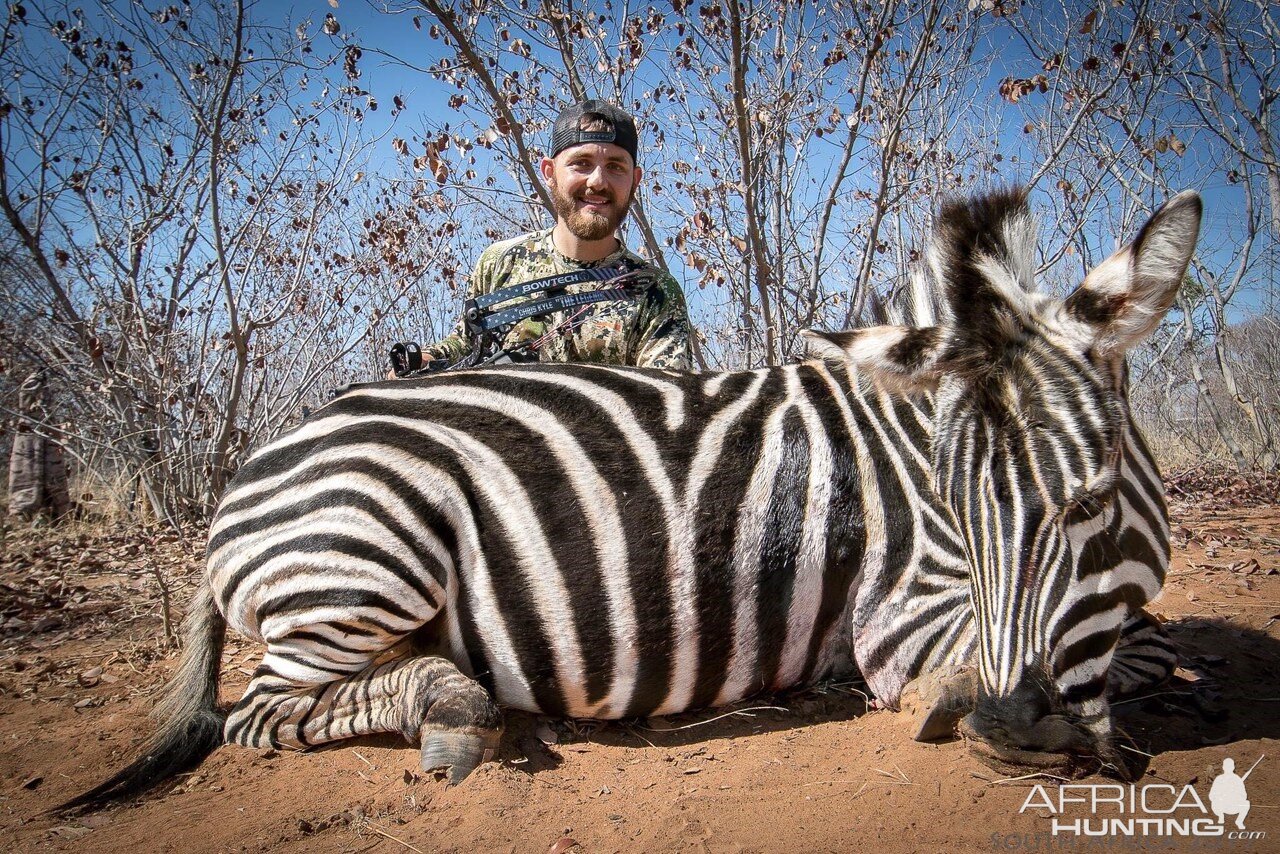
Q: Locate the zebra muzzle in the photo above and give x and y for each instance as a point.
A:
(1053, 745)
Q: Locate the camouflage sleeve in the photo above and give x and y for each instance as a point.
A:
(664, 341)
(453, 346)
(458, 343)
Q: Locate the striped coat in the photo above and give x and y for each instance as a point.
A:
(603, 542)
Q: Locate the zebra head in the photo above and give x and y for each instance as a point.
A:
(1058, 503)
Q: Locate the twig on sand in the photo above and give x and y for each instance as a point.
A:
(632, 730)
(1136, 750)
(847, 688)
(1149, 696)
(716, 718)
(382, 832)
(865, 783)
(899, 776)
(1034, 774)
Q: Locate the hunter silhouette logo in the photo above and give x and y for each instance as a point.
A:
(1227, 795)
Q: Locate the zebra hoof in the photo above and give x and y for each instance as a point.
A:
(457, 753)
(935, 702)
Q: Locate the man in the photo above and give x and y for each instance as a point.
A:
(592, 176)
(1227, 795)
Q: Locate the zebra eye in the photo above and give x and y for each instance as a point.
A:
(1086, 504)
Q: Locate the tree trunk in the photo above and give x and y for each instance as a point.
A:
(37, 467)
(750, 182)
(1202, 385)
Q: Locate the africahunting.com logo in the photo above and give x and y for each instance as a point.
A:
(1114, 815)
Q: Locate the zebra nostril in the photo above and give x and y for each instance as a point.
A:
(1015, 719)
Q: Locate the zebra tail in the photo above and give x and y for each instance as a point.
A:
(189, 725)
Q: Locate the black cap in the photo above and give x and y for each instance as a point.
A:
(566, 132)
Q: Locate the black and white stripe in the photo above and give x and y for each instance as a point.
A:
(608, 542)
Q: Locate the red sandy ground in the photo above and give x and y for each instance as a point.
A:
(80, 658)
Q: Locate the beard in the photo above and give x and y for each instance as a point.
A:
(590, 225)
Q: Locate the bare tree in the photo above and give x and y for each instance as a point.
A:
(198, 245)
(1123, 111)
(186, 212)
(1231, 78)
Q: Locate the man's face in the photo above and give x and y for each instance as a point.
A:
(591, 185)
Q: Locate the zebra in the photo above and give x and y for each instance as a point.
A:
(599, 542)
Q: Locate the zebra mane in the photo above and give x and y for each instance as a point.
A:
(983, 254)
(918, 304)
(980, 260)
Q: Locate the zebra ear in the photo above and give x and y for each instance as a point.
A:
(899, 358)
(1125, 297)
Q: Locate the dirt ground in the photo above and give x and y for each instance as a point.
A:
(82, 652)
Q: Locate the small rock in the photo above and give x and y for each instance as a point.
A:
(33, 783)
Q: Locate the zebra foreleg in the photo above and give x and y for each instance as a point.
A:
(426, 699)
(1145, 657)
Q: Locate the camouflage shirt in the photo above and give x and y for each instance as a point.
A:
(650, 331)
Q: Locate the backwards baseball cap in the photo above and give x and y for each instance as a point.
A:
(567, 131)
